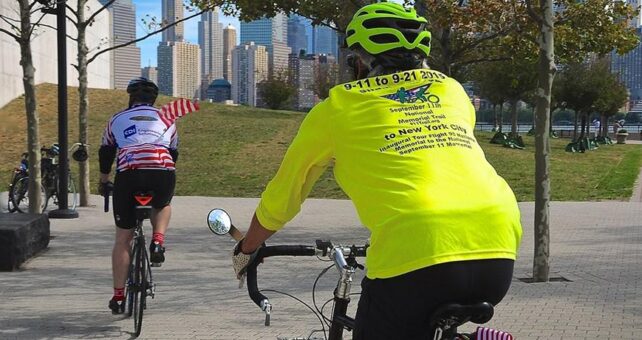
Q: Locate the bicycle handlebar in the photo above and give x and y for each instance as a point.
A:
(322, 248)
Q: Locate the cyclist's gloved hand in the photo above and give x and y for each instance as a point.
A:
(105, 188)
(240, 260)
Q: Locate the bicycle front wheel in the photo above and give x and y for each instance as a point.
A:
(19, 195)
(140, 282)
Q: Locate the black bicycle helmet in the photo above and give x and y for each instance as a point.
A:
(142, 90)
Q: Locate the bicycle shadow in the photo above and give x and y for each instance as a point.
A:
(77, 325)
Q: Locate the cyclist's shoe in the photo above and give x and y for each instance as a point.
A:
(157, 254)
(117, 307)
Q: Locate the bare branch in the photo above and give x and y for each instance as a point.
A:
(93, 16)
(14, 36)
(72, 20)
(71, 10)
(36, 24)
(6, 19)
(146, 36)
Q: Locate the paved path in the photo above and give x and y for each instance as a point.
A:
(63, 292)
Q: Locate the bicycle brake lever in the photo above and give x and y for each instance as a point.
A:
(267, 308)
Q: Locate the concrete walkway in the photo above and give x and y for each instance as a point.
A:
(63, 292)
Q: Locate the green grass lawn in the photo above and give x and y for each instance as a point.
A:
(234, 151)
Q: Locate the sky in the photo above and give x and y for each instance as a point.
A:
(153, 8)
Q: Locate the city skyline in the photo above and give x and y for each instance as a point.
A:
(153, 9)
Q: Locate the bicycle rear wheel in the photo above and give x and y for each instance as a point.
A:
(140, 282)
(19, 195)
(130, 284)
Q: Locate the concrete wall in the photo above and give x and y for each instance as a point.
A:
(44, 49)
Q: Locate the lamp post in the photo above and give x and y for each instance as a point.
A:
(63, 210)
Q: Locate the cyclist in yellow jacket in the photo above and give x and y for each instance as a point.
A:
(444, 226)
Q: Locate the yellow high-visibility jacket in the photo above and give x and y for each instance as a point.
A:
(404, 152)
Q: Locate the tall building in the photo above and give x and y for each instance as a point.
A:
(303, 68)
(210, 39)
(125, 60)
(229, 42)
(179, 73)
(325, 40)
(628, 68)
(150, 73)
(250, 67)
(271, 33)
(172, 11)
(297, 34)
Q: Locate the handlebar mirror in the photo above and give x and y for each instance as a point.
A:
(219, 221)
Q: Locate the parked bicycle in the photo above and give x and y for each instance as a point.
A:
(19, 186)
(139, 284)
(443, 323)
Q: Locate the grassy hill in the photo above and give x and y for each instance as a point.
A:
(234, 151)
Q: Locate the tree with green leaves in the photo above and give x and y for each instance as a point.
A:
(277, 91)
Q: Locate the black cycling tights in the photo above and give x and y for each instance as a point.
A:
(400, 307)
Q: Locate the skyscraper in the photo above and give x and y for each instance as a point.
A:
(325, 40)
(297, 36)
(125, 60)
(269, 32)
(229, 42)
(179, 69)
(173, 11)
(150, 73)
(303, 68)
(210, 39)
(250, 67)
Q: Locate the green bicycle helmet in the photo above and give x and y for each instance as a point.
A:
(388, 27)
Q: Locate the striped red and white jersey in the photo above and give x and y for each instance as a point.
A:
(144, 134)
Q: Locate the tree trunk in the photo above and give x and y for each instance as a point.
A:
(83, 106)
(604, 125)
(501, 118)
(496, 118)
(513, 114)
(583, 126)
(542, 146)
(33, 133)
(575, 125)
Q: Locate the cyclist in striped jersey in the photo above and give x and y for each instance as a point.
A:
(144, 142)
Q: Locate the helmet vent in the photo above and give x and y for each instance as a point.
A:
(380, 11)
(376, 23)
(384, 38)
(349, 33)
(408, 24)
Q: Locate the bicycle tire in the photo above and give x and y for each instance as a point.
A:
(140, 283)
(130, 285)
(19, 195)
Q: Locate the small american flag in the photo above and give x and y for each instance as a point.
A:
(178, 108)
(485, 333)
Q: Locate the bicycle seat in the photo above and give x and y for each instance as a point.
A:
(454, 314)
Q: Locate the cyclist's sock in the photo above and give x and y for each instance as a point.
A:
(119, 294)
(158, 238)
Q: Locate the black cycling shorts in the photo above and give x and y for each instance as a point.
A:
(129, 182)
(400, 307)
